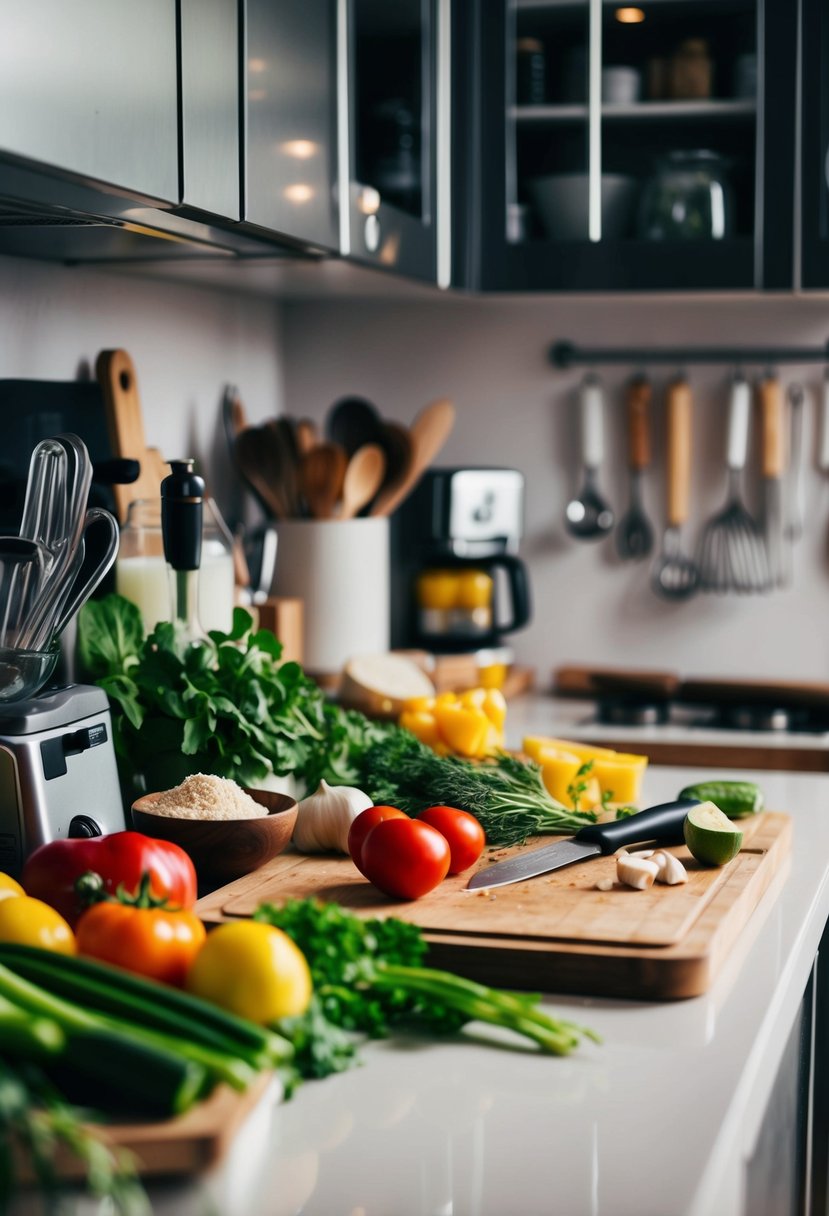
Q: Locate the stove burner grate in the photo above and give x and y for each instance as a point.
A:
(629, 712)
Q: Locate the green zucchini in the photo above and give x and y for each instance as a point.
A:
(736, 799)
(152, 1006)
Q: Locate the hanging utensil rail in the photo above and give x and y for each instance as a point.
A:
(567, 354)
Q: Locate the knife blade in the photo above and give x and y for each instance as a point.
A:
(662, 823)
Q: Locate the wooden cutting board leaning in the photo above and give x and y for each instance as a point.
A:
(558, 932)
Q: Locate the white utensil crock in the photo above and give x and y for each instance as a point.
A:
(340, 570)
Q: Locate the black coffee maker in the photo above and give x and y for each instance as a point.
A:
(457, 584)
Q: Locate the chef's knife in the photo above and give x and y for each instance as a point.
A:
(662, 824)
(774, 461)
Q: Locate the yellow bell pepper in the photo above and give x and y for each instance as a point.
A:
(464, 729)
(422, 724)
(620, 776)
(494, 706)
(535, 745)
(469, 724)
(559, 772)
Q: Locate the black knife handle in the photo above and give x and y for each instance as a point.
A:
(662, 823)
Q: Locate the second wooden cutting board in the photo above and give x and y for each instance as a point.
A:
(558, 929)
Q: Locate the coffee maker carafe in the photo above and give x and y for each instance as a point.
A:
(458, 585)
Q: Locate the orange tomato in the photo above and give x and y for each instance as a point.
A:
(155, 942)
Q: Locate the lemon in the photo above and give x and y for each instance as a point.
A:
(710, 835)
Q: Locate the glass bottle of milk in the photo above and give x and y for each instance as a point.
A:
(142, 574)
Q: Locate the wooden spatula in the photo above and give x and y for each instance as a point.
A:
(429, 432)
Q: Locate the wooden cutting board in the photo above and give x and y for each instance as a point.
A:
(188, 1144)
(125, 422)
(557, 932)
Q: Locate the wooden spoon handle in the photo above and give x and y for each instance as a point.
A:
(678, 409)
(639, 423)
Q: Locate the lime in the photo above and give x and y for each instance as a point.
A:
(710, 835)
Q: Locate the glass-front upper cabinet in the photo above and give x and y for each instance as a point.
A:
(394, 79)
(815, 155)
(646, 147)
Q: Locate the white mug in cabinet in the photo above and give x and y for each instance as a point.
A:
(340, 570)
(142, 575)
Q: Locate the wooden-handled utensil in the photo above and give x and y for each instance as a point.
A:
(125, 423)
(321, 475)
(676, 576)
(429, 432)
(634, 536)
(363, 479)
(773, 456)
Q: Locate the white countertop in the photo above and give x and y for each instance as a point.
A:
(657, 1121)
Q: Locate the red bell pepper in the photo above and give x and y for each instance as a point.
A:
(121, 858)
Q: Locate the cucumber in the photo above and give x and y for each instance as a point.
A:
(736, 799)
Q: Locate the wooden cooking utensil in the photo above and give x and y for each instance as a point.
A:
(353, 422)
(286, 455)
(321, 476)
(363, 479)
(116, 375)
(257, 459)
(429, 432)
(307, 435)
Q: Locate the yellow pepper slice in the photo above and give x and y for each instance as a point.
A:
(464, 730)
(422, 724)
(494, 706)
(620, 776)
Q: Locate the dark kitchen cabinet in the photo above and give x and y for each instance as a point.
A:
(91, 88)
(814, 85)
(653, 152)
(289, 95)
(394, 109)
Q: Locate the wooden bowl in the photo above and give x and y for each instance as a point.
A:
(224, 849)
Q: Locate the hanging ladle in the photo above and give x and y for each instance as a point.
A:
(589, 516)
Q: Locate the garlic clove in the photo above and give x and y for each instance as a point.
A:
(636, 872)
(670, 869)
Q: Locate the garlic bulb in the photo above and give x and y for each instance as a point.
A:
(324, 818)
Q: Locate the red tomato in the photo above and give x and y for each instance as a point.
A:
(362, 825)
(405, 858)
(463, 832)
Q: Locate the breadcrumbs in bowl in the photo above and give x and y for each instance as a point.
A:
(227, 831)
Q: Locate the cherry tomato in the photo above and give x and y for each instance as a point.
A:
(463, 832)
(362, 825)
(405, 858)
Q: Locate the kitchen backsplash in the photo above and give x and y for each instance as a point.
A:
(185, 342)
(514, 409)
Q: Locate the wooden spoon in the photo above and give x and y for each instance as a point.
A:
(307, 435)
(258, 461)
(353, 422)
(321, 476)
(429, 432)
(363, 479)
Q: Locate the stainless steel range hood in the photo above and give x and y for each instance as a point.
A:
(52, 218)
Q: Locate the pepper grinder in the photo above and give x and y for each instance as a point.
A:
(182, 509)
